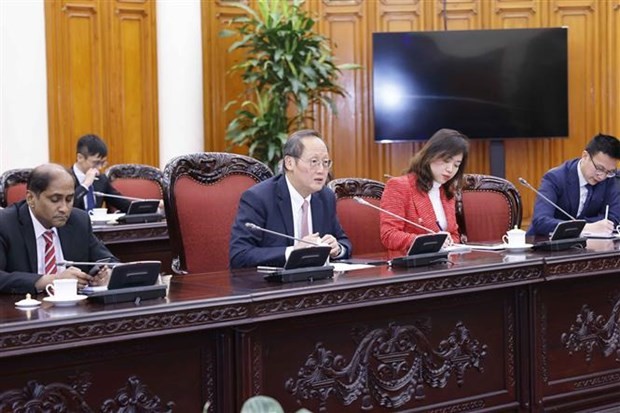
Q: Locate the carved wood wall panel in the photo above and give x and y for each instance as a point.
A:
(133, 70)
(611, 65)
(76, 82)
(102, 77)
(594, 84)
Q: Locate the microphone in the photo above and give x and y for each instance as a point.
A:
(129, 198)
(414, 259)
(257, 228)
(366, 203)
(527, 184)
(70, 263)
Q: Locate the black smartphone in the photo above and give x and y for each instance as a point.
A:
(96, 268)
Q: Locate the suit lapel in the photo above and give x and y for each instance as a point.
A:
(283, 200)
(573, 190)
(28, 233)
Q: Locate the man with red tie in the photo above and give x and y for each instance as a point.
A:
(45, 230)
(91, 157)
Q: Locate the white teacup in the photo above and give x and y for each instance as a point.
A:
(514, 237)
(98, 212)
(62, 288)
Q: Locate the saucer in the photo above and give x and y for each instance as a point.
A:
(522, 247)
(65, 302)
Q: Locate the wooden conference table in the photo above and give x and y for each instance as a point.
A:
(494, 332)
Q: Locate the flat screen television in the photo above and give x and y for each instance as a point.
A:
(509, 83)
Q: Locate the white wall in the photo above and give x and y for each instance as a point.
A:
(179, 55)
(23, 82)
(23, 85)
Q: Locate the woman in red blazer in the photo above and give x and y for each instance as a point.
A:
(425, 195)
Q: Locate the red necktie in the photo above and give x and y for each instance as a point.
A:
(50, 253)
(305, 231)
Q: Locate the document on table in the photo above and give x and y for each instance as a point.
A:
(344, 267)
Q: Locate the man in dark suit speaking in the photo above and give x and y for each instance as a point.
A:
(91, 156)
(295, 203)
(45, 230)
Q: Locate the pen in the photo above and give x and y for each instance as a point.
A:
(606, 212)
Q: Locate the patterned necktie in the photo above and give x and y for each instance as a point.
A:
(50, 253)
(590, 189)
(90, 199)
(305, 231)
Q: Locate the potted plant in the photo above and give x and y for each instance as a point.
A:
(288, 70)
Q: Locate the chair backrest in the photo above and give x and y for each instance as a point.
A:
(487, 207)
(136, 180)
(13, 186)
(360, 223)
(201, 195)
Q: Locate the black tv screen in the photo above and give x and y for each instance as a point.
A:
(510, 83)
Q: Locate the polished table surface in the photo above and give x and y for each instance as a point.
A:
(504, 332)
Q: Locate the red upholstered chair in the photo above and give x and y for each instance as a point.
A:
(136, 180)
(201, 195)
(361, 223)
(13, 186)
(487, 207)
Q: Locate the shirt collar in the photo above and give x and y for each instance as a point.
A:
(78, 174)
(582, 180)
(296, 199)
(39, 229)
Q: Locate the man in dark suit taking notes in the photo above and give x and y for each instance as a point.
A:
(584, 187)
(45, 230)
(296, 203)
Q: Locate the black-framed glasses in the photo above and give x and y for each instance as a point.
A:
(602, 171)
(314, 163)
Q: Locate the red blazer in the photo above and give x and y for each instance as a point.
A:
(402, 197)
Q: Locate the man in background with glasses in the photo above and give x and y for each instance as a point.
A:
(296, 203)
(91, 158)
(584, 187)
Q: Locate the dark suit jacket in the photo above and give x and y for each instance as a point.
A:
(18, 247)
(561, 185)
(268, 205)
(102, 184)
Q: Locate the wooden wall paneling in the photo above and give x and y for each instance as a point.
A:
(582, 19)
(458, 15)
(219, 86)
(524, 157)
(392, 16)
(611, 71)
(132, 67)
(343, 23)
(75, 81)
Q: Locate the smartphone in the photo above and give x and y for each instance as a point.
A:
(96, 268)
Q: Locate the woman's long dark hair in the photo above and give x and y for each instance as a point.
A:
(444, 144)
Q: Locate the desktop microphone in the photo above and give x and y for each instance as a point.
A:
(366, 203)
(256, 227)
(129, 198)
(70, 263)
(526, 184)
(412, 260)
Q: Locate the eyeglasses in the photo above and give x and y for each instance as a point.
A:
(314, 163)
(602, 171)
